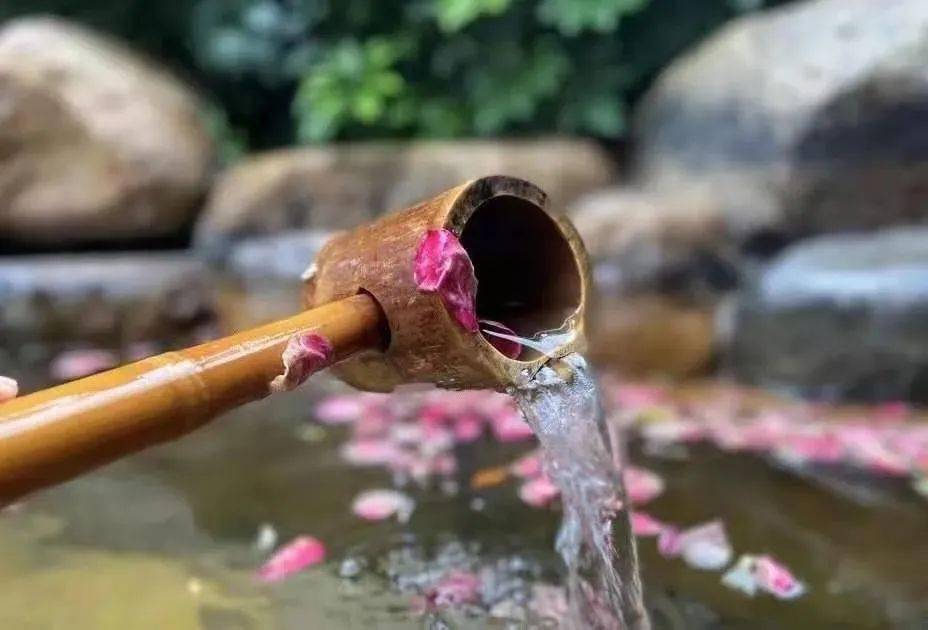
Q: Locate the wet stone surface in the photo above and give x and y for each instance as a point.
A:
(841, 316)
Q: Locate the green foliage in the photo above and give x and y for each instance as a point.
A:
(571, 17)
(350, 82)
(317, 70)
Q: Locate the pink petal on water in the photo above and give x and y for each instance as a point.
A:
(673, 431)
(642, 485)
(538, 492)
(340, 409)
(73, 364)
(507, 347)
(8, 388)
(776, 579)
(468, 427)
(304, 355)
(669, 544)
(704, 546)
(455, 589)
(741, 576)
(369, 452)
(527, 466)
(378, 505)
(645, 525)
(753, 573)
(299, 554)
(510, 427)
(442, 266)
(637, 396)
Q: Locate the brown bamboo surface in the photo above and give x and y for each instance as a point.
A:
(56, 434)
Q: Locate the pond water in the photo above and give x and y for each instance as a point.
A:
(167, 538)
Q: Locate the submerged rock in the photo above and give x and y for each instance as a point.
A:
(804, 119)
(840, 316)
(95, 143)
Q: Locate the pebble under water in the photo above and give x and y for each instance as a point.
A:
(562, 405)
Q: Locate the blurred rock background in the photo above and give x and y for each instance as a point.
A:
(750, 176)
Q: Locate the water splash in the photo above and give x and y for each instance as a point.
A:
(562, 404)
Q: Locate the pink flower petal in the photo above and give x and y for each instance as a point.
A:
(753, 573)
(340, 409)
(510, 427)
(442, 266)
(378, 505)
(507, 347)
(304, 355)
(73, 364)
(638, 396)
(538, 492)
(299, 554)
(776, 579)
(645, 525)
(8, 388)
(669, 544)
(467, 428)
(528, 466)
(642, 485)
(455, 589)
(703, 547)
(369, 452)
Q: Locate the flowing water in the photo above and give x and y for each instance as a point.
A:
(562, 405)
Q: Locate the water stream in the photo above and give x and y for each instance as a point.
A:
(561, 403)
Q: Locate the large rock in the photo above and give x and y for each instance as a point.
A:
(103, 298)
(808, 118)
(95, 143)
(840, 316)
(339, 186)
(671, 242)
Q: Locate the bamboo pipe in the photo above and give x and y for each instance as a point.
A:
(362, 297)
(58, 433)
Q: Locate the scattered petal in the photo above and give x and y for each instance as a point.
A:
(776, 579)
(753, 573)
(73, 364)
(340, 409)
(642, 485)
(378, 505)
(741, 576)
(703, 547)
(527, 467)
(304, 355)
(455, 589)
(442, 266)
(510, 427)
(645, 524)
(370, 452)
(538, 492)
(266, 538)
(299, 554)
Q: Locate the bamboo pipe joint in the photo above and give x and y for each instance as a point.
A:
(531, 269)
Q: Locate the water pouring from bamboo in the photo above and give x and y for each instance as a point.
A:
(363, 300)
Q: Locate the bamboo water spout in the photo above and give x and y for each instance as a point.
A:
(362, 297)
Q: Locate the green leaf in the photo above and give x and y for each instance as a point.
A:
(453, 15)
(571, 17)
